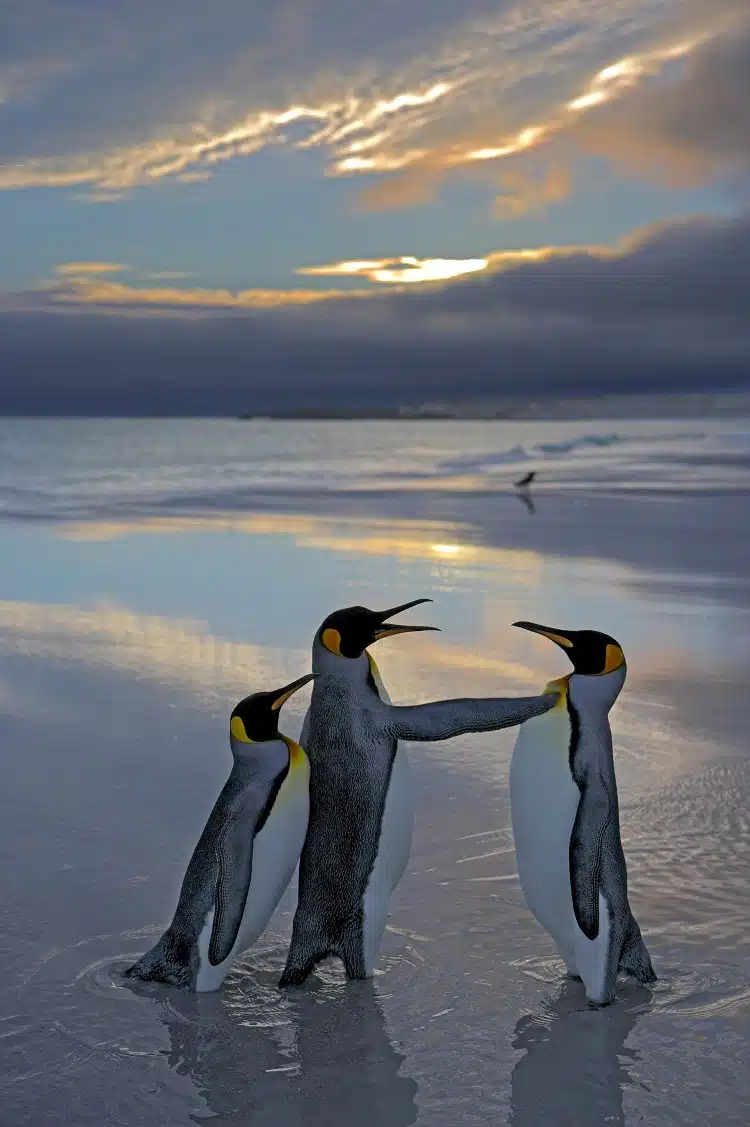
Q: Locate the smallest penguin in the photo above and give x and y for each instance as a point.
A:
(246, 855)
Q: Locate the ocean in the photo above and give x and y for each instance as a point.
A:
(59, 469)
(155, 571)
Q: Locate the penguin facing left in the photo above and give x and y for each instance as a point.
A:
(246, 855)
(361, 806)
(566, 822)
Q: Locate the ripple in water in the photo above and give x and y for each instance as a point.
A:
(682, 990)
(706, 991)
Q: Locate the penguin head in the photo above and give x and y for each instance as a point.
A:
(347, 633)
(255, 719)
(596, 658)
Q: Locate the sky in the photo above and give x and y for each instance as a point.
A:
(236, 206)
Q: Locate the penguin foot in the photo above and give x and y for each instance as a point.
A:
(158, 974)
(645, 975)
(635, 959)
(167, 962)
(295, 976)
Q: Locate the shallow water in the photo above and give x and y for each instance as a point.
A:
(125, 640)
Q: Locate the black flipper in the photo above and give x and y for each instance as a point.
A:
(234, 856)
(443, 719)
(593, 818)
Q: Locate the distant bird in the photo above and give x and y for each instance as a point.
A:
(361, 809)
(246, 855)
(525, 480)
(565, 815)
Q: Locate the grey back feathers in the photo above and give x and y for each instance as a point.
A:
(351, 749)
(351, 737)
(596, 857)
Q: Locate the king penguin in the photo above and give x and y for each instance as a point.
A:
(246, 855)
(361, 807)
(566, 824)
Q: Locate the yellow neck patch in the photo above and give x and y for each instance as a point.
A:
(560, 685)
(297, 755)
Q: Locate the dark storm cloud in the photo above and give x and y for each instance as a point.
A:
(667, 312)
(697, 268)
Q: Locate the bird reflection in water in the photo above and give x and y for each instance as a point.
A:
(572, 1073)
(526, 499)
(316, 1057)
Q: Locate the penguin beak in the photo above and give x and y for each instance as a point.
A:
(289, 690)
(556, 636)
(388, 629)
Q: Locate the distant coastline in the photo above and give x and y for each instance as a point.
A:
(687, 405)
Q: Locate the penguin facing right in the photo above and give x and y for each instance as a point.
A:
(246, 855)
(565, 815)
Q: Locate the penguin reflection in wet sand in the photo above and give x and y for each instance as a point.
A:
(246, 855)
(361, 807)
(566, 824)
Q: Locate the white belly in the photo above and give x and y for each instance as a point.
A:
(276, 852)
(543, 802)
(392, 857)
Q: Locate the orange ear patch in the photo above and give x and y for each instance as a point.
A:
(331, 639)
(613, 658)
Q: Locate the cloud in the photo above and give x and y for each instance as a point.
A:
(400, 271)
(690, 130)
(84, 269)
(665, 310)
(119, 98)
(523, 191)
(165, 276)
(678, 113)
(87, 284)
(89, 287)
(423, 170)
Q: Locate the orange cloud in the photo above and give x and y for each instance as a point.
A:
(400, 271)
(83, 289)
(690, 130)
(92, 289)
(87, 284)
(407, 270)
(86, 268)
(347, 124)
(381, 124)
(421, 171)
(523, 192)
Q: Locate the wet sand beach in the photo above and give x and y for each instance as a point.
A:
(128, 630)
